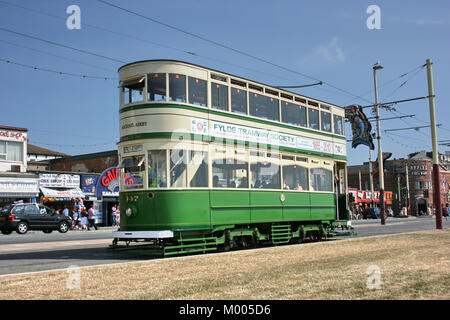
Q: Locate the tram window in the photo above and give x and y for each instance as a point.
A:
(265, 175)
(178, 172)
(338, 128)
(325, 121)
(157, 176)
(321, 179)
(293, 114)
(156, 87)
(133, 90)
(295, 178)
(177, 87)
(219, 96)
(198, 169)
(134, 169)
(263, 107)
(238, 101)
(197, 91)
(313, 116)
(229, 173)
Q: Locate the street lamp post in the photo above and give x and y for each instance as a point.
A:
(376, 67)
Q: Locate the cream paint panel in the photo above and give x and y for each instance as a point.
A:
(179, 121)
(241, 122)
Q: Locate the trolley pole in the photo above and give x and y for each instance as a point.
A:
(436, 173)
(376, 67)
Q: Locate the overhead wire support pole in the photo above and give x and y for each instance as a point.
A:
(436, 173)
(376, 67)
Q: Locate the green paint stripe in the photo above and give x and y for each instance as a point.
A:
(226, 114)
(192, 136)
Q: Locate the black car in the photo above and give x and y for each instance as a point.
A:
(31, 216)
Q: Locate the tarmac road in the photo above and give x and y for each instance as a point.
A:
(36, 251)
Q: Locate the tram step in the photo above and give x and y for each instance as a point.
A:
(281, 233)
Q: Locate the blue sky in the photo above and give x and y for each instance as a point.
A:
(326, 40)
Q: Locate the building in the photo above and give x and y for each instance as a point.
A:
(38, 158)
(409, 179)
(15, 183)
(98, 180)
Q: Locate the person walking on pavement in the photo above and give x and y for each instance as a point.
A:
(91, 218)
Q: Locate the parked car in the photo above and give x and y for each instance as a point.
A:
(22, 217)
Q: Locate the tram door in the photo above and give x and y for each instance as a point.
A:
(340, 191)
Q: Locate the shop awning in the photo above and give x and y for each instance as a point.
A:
(59, 193)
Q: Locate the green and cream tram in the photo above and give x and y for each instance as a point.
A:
(212, 161)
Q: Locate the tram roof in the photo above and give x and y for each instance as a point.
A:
(229, 74)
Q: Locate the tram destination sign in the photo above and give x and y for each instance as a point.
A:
(232, 131)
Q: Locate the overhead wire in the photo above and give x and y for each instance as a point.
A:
(229, 48)
(130, 36)
(58, 56)
(61, 45)
(61, 73)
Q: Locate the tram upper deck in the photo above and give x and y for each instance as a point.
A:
(161, 97)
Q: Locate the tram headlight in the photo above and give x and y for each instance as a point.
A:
(129, 212)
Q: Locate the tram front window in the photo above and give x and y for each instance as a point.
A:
(134, 169)
(133, 90)
(229, 173)
(177, 87)
(219, 96)
(321, 180)
(157, 169)
(197, 91)
(178, 160)
(198, 169)
(156, 87)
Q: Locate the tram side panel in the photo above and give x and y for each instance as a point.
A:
(230, 207)
(297, 206)
(166, 210)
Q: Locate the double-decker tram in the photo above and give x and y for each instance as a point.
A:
(211, 161)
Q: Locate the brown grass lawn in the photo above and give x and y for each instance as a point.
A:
(412, 266)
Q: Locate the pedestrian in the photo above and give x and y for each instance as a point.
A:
(75, 218)
(91, 218)
(84, 222)
(113, 215)
(446, 211)
(66, 211)
(118, 216)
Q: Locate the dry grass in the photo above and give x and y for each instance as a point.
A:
(413, 266)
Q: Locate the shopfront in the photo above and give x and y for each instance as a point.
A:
(60, 190)
(103, 191)
(366, 199)
(18, 186)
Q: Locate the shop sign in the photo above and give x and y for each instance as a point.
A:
(50, 180)
(108, 183)
(10, 186)
(88, 183)
(13, 135)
